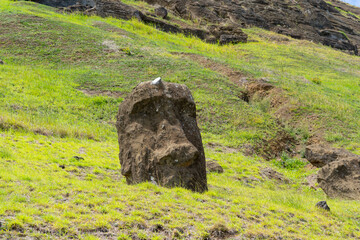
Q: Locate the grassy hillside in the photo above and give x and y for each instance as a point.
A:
(63, 79)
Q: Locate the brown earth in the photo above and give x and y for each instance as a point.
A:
(159, 139)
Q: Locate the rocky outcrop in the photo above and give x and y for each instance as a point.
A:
(339, 175)
(221, 34)
(341, 178)
(320, 155)
(66, 3)
(117, 9)
(229, 34)
(221, 20)
(314, 20)
(161, 12)
(159, 139)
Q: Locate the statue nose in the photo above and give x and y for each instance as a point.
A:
(182, 155)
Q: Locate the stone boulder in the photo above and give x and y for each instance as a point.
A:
(213, 166)
(117, 9)
(230, 34)
(341, 178)
(320, 155)
(161, 12)
(323, 205)
(159, 139)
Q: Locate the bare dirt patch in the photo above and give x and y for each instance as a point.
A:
(256, 90)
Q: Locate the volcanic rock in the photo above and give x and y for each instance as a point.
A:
(159, 139)
(213, 166)
(66, 3)
(315, 20)
(320, 155)
(161, 12)
(117, 9)
(323, 205)
(341, 178)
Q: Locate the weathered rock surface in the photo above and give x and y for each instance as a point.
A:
(341, 178)
(323, 205)
(159, 139)
(320, 155)
(213, 166)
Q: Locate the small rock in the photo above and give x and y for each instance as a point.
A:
(62, 166)
(78, 158)
(161, 12)
(1, 62)
(323, 205)
(213, 166)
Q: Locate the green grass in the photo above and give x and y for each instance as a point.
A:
(46, 120)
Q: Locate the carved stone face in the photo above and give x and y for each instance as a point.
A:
(159, 139)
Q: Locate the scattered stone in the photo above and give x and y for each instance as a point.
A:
(228, 34)
(213, 166)
(272, 174)
(341, 178)
(320, 155)
(159, 139)
(161, 12)
(323, 205)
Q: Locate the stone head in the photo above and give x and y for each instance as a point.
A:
(159, 139)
